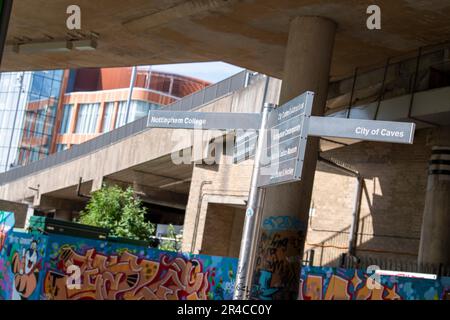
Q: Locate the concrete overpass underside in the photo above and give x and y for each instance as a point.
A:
(249, 33)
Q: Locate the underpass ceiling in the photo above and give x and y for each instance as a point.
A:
(248, 33)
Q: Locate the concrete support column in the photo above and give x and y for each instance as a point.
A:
(286, 207)
(435, 236)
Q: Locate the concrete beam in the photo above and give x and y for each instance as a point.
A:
(51, 203)
(154, 195)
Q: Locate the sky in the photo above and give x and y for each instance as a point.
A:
(208, 71)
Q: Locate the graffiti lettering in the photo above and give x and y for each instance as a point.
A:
(125, 277)
(326, 284)
(280, 223)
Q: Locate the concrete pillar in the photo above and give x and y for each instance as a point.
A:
(435, 236)
(286, 207)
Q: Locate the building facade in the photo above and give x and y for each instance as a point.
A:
(49, 111)
(28, 108)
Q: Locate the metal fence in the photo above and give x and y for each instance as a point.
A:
(191, 102)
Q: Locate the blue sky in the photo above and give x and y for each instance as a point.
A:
(208, 71)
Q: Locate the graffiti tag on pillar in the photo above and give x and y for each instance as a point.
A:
(278, 256)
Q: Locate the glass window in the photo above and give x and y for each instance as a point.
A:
(138, 110)
(66, 119)
(29, 123)
(87, 118)
(61, 147)
(56, 88)
(107, 116)
(121, 114)
(40, 121)
(36, 86)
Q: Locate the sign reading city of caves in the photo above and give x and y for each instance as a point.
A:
(288, 127)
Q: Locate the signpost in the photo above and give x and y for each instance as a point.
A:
(277, 140)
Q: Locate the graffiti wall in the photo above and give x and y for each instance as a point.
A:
(322, 283)
(53, 267)
(110, 271)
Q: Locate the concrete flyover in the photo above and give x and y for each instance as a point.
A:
(251, 34)
(142, 160)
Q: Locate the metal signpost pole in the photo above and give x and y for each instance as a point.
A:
(130, 92)
(248, 244)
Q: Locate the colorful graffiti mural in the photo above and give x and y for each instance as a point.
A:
(7, 222)
(21, 266)
(322, 283)
(134, 273)
(57, 267)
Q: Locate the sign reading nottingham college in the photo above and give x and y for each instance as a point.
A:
(202, 120)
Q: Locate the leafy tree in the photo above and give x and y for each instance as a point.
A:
(120, 211)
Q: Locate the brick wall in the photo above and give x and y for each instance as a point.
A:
(391, 206)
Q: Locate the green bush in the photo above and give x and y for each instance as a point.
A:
(120, 211)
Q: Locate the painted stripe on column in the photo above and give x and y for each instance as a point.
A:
(439, 163)
(440, 172)
(440, 151)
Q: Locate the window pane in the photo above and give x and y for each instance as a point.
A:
(67, 118)
(107, 116)
(87, 118)
(121, 114)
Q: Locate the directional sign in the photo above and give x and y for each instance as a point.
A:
(287, 128)
(203, 120)
(286, 142)
(371, 130)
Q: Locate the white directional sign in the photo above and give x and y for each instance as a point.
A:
(203, 120)
(385, 131)
(291, 124)
(286, 142)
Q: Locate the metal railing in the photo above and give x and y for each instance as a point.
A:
(191, 102)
